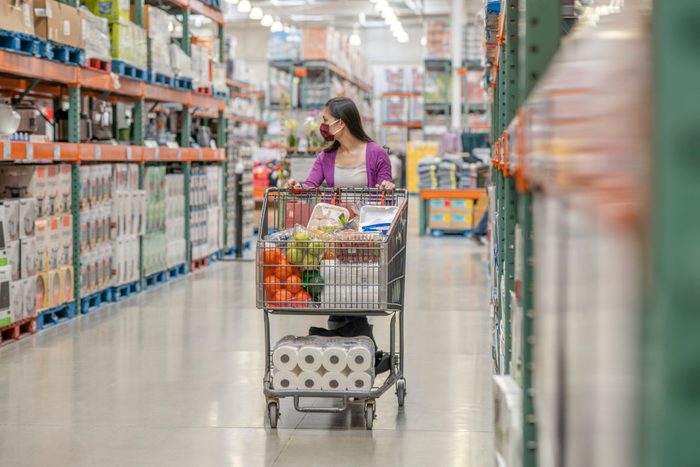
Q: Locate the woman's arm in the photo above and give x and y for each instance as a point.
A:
(384, 177)
(315, 178)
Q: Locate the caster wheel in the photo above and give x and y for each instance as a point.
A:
(369, 416)
(273, 413)
(401, 391)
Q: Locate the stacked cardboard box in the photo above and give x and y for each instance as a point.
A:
(156, 23)
(438, 36)
(45, 232)
(59, 23)
(155, 243)
(96, 37)
(129, 41)
(175, 222)
(451, 214)
(128, 222)
(17, 16)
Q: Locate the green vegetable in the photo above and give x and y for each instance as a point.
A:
(312, 282)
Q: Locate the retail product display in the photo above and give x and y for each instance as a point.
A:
(180, 62)
(323, 364)
(96, 36)
(155, 252)
(205, 210)
(96, 250)
(239, 157)
(157, 25)
(17, 16)
(438, 39)
(58, 23)
(129, 43)
(175, 219)
(36, 209)
(200, 66)
(112, 10)
(128, 222)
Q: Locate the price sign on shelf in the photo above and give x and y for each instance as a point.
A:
(128, 153)
(30, 152)
(98, 153)
(6, 151)
(157, 154)
(179, 154)
(56, 152)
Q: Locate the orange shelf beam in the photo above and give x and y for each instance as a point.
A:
(404, 124)
(105, 82)
(163, 94)
(201, 8)
(161, 154)
(345, 75)
(251, 121)
(207, 102)
(110, 153)
(33, 67)
(40, 152)
(233, 83)
(452, 194)
(402, 94)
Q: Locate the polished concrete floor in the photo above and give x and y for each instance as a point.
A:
(173, 377)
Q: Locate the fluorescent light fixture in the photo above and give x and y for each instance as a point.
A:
(286, 28)
(362, 18)
(256, 13)
(244, 6)
(355, 40)
(232, 2)
(403, 38)
(276, 27)
(267, 21)
(423, 41)
(380, 5)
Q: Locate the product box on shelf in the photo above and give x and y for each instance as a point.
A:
(54, 294)
(200, 66)
(180, 62)
(96, 37)
(42, 287)
(17, 16)
(54, 243)
(66, 239)
(16, 301)
(29, 300)
(12, 252)
(508, 416)
(129, 43)
(41, 241)
(10, 220)
(156, 22)
(28, 262)
(5, 280)
(58, 22)
(27, 217)
(112, 10)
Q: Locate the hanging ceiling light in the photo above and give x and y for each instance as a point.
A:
(267, 21)
(244, 6)
(276, 27)
(232, 2)
(256, 13)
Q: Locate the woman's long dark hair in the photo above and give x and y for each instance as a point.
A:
(346, 110)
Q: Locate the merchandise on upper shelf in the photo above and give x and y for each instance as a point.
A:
(438, 37)
(96, 37)
(128, 221)
(58, 23)
(175, 219)
(157, 25)
(154, 243)
(129, 44)
(205, 211)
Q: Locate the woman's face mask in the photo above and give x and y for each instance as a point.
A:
(325, 130)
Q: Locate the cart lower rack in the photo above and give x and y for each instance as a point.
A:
(316, 256)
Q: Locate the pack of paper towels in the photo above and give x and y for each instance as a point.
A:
(353, 285)
(323, 364)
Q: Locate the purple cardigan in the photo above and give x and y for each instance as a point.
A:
(376, 158)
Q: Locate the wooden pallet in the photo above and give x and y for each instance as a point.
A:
(55, 316)
(177, 271)
(156, 279)
(96, 300)
(129, 71)
(198, 264)
(122, 292)
(98, 65)
(16, 331)
(20, 43)
(183, 84)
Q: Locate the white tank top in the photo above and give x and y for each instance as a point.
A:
(351, 178)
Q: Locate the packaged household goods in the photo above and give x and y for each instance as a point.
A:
(59, 23)
(17, 16)
(96, 37)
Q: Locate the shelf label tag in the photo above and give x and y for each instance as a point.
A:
(128, 153)
(98, 153)
(179, 154)
(199, 153)
(157, 154)
(30, 152)
(6, 151)
(56, 152)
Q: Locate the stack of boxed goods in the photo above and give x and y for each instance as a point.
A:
(128, 223)
(415, 152)
(129, 44)
(180, 62)
(471, 42)
(96, 36)
(317, 363)
(18, 260)
(241, 156)
(321, 43)
(284, 46)
(199, 200)
(45, 231)
(417, 76)
(438, 36)
(493, 10)
(214, 209)
(175, 221)
(95, 228)
(155, 253)
(218, 77)
(200, 66)
(157, 23)
(17, 16)
(395, 109)
(451, 214)
(395, 79)
(58, 23)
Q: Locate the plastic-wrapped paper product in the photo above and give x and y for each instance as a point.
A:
(200, 66)
(218, 76)
(96, 33)
(129, 44)
(180, 62)
(160, 56)
(351, 286)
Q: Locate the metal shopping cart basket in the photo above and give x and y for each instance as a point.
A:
(347, 273)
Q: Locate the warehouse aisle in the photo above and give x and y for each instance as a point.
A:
(173, 378)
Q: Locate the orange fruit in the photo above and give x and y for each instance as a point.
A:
(272, 256)
(283, 299)
(293, 284)
(285, 270)
(272, 285)
(303, 298)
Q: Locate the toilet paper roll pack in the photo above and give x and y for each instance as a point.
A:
(359, 381)
(285, 356)
(310, 358)
(360, 358)
(286, 380)
(335, 359)
(310, 381)
(334, 381)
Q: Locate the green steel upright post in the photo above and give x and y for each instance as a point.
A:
(540, 32)
(511, 52)
(221, 131)
(137, 8)
(142, 186)
(186, 169)
(671, 408)
(74, 137)
(502, 90)
(222, 44)
(185, 43)
(139, 122)
(509, 219)
(186, 126)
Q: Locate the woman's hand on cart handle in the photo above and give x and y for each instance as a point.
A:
(293, 184)
(386, 185)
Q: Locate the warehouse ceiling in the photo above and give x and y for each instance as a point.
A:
(347, 13)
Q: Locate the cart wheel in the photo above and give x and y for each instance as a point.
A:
(401, 391)
(369, 415)
(273, 412)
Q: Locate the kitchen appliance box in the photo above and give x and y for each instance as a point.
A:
(59, 23)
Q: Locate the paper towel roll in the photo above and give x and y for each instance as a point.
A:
(335, 358)
(310, 381)
(310, 358)
(334, 381)
(285, 380)
(359, 359)
(285, 357)
(359, 381)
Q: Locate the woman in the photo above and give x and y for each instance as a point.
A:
(353, 160)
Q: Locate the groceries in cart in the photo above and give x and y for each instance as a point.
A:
(333, 262)
(323, 364)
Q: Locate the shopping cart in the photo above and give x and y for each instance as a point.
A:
(344, 274)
